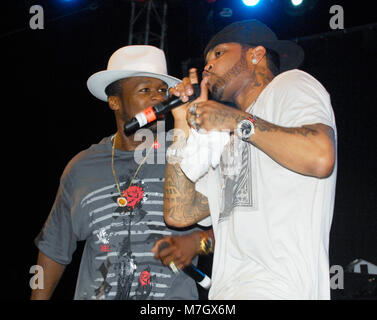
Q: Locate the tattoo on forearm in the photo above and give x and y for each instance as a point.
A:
(267, 126)
(182, 202)
(201, 204)
(221, 116)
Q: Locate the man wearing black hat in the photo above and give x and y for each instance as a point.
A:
(271, 199)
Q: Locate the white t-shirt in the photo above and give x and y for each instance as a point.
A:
(271, 224)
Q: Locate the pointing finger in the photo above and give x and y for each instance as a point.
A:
(193, 75)
(203, 90)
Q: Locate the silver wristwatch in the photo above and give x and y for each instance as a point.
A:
(245, 128)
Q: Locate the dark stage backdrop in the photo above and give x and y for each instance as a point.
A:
(346, 64)
(51, 116)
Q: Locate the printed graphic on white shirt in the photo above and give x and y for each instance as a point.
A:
(236, 178)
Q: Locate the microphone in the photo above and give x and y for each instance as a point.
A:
(150, 114)
(193, 272)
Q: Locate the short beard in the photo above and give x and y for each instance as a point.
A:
(218, 87)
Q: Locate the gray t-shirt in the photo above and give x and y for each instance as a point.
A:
(117, 261)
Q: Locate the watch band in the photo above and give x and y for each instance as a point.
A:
(252, 118)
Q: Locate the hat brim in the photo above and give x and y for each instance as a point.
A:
(291, 54)
(98, 82)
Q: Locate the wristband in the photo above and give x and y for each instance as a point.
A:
(252, 118)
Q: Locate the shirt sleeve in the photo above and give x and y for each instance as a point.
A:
(300, 100)
(57, 239)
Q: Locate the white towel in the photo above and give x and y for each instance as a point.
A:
(202, 151)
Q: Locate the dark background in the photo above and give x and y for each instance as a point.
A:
(50, 114)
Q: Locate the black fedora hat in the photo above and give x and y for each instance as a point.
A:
(255, 33)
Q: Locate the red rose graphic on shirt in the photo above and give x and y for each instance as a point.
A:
(145, 278)
(133, 194)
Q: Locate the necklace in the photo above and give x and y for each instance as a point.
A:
(122, 200)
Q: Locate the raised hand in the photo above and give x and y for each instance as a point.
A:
(211, 115)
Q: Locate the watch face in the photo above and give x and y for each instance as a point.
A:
(245, 129)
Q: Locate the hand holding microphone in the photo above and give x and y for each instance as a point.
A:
(168, 253)
(180, 249)
(183, 90)
(179, 97)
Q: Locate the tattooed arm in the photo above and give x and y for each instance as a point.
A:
(308, 150)
(183, 205)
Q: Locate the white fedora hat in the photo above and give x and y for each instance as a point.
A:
(131, 61)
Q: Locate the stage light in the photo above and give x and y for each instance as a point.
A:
(250, 3)
(296, 2)
(298, 7)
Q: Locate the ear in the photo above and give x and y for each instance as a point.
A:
(114, 102)
(257, 54)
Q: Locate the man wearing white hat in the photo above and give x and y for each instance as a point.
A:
(114, 202)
